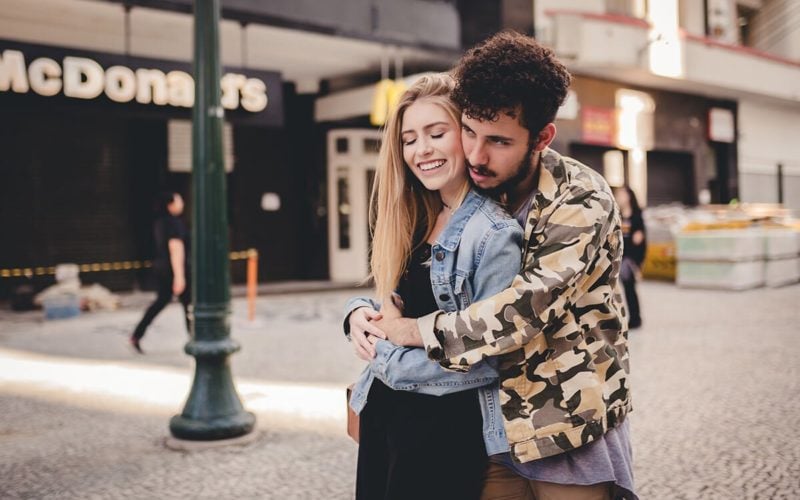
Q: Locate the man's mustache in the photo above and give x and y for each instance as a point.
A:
(480, 169)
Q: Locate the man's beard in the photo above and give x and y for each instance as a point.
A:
(522, 171)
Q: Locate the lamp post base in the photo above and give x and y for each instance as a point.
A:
(226, 427)
(185, 445)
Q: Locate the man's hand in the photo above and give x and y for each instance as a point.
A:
(401, 331)
(178, 285)
(392, 308)
(364, 332)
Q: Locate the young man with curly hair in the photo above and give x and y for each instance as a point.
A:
(559, 332)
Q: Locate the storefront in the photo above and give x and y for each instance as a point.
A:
(669, 147)
(88, 140)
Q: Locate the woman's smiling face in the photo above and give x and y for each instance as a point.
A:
(432, 149)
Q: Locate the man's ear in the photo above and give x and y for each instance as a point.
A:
(546, 136)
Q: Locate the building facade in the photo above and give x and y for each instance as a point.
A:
(710, 92)
(688, 102)
(96, 99)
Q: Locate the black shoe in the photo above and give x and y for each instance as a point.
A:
(135, 344)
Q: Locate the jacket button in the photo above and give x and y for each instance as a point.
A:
(444, 297)
(440, 256)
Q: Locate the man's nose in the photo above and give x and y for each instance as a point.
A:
(477, 156)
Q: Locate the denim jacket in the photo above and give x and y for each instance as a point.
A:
(477, 255)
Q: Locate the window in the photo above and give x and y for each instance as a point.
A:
(179, 146)
(343, 206)
(745, 17)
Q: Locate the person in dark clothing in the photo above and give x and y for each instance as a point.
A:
(170, 265)
(635, 246)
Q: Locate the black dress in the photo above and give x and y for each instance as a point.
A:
(417, 446)
(632, 259)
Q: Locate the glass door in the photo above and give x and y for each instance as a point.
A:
(352, 156)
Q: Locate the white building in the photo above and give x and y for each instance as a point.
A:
(746, 52)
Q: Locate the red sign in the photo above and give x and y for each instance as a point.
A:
(598, 125)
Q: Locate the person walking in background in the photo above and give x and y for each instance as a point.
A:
(635, 238)
(170, 265)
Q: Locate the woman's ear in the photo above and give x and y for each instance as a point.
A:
(546, 136)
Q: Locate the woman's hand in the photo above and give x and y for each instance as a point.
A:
(364, 333)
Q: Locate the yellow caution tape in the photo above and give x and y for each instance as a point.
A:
(18, 272)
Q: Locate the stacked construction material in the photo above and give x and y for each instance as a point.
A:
(738, 259)
(729, 259)
(782, 257)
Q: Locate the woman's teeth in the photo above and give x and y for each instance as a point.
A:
(431, 165)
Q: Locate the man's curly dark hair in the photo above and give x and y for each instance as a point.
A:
(507, 73)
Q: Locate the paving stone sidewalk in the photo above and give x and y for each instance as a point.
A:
(715, 379)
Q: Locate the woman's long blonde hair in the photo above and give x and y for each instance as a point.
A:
(402, 211)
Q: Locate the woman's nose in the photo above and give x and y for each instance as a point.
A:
(425, 147)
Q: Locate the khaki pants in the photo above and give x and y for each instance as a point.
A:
(503, 484)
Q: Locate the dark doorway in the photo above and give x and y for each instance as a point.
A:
(670, 178)
(77, 189)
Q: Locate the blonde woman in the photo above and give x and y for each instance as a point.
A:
(437, 244)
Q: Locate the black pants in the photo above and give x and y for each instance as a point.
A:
(415, 446)
(164, 297)
(628, 277)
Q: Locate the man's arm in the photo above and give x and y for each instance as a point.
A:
(560, 255)
(177, 257)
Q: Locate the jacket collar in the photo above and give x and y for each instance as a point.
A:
(552, 176)
(451, 234)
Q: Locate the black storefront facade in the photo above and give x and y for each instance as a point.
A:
(82, 159)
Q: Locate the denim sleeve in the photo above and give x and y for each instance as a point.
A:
(499, 261)
(353, 304)
(410, 369)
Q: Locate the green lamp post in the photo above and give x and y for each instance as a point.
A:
(213, 410)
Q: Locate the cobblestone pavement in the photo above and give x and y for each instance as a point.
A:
(715, 379)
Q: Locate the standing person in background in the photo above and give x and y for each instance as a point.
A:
(635, 238)
(171, 263)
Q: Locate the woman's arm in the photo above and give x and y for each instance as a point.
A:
(409, 368)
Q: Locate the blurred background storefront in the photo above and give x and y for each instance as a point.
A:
(687, 102)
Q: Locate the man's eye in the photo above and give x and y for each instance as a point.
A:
(500, 142)
(467, 131)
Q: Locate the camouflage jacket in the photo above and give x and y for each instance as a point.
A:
(560, 330)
